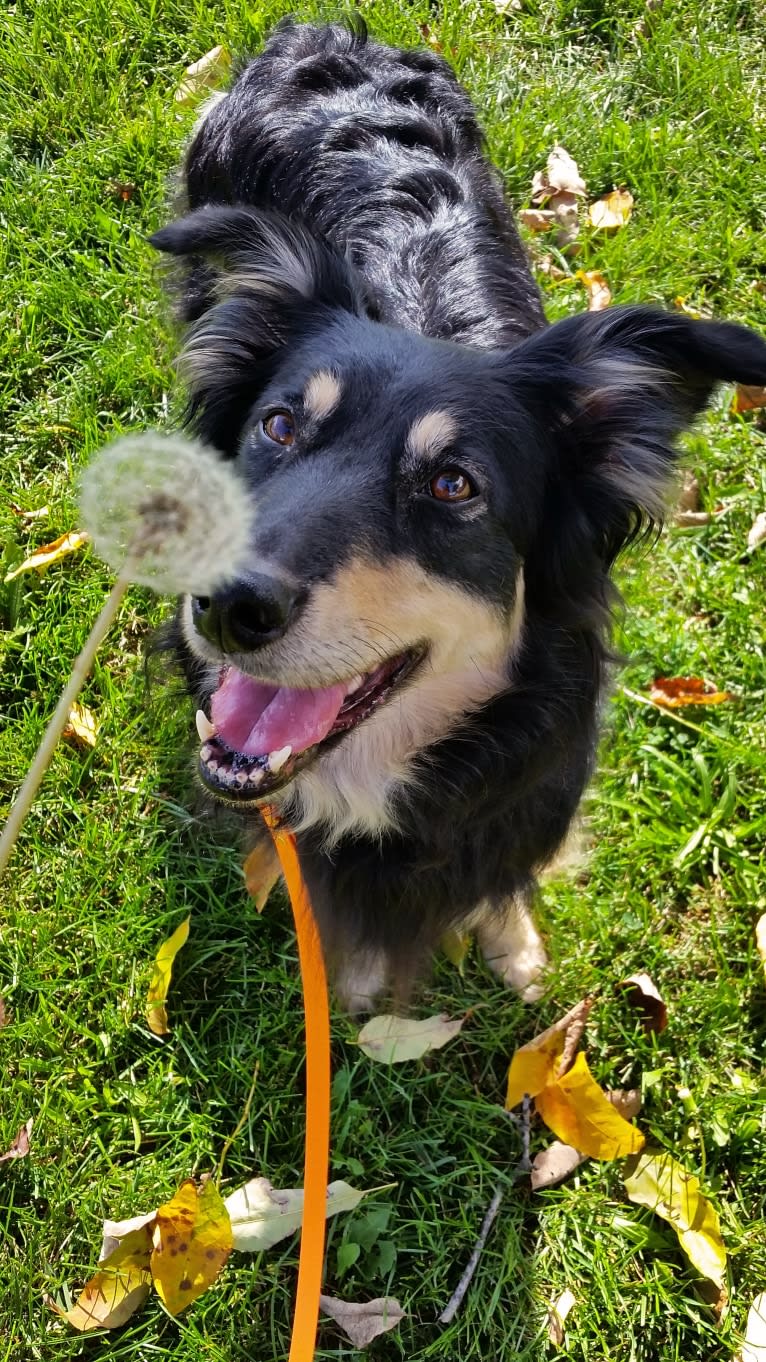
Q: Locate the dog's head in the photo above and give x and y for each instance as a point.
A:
(413, 499)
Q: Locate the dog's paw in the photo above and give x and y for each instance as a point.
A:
(360, 982)
(515, 953)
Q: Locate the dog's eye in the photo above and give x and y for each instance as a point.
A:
(280, 427)
(451, 485)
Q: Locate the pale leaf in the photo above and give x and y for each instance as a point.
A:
(49, 554)
(561, 175)
(393, 1040)
(113, 1232)
(597, 289)
(754, 1343)
(191, 1240)
(363, 1322)
(641, 992)
(261, 1215)
(757, 532)
(579, 1112)
(205, 74)
(658, 1181)
(557, 1313)
(611, 211)
(760, 938)
(20, 1145)
(81, 726)
(156, 1015)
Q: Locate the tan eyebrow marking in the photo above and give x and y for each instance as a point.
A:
(322, 394)
(431, 433)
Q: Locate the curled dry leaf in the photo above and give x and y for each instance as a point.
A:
(41, 513)
(641, 992)
(611, 211)
(393, 1040)
(542, 1059)
(597, 289)
(81, 726)
(687, 520)
(261, 1215)
(261, 870)
(546, 265)
(5, 1015)
(578, 1111)
(156, 1014)
(655, 1179)
(537, 219)
(754, 1343)
(689, 493)
(557, 1313)
(120, 1286)
(675, 692)
(561, 176)
(191, 1240)
(49, 554)
(760, 938)
(205, 74)
(363, 1322)
(757, 532)
(747, 398)
(20, 1146)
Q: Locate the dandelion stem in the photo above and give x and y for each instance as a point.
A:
(82, 666)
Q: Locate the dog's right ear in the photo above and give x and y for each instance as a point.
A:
(253, 282)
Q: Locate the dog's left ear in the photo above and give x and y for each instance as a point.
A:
(613, 390)
(253, 281)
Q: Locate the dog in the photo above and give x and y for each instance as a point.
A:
(411, 668)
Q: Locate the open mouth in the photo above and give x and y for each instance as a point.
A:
(258, 736)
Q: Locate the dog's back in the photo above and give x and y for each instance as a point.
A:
(379, 152)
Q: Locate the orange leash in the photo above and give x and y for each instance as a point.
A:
(317, 1157)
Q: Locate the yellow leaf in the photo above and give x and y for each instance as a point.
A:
(611, 210)
(121, 1284)
(81, 726)
(539, 1062)
(656, 1180)
(191, 1241)
(205, 74)
(557, 1313)
(44, 557)
(597, 289)
(577, 1111)
(456, 946)
(156, 1015)
(393, 1040)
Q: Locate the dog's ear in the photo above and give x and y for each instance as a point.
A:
(612, 390)
(253, 282)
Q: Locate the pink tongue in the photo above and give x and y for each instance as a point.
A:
(255, 719)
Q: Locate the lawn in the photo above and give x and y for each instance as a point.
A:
(117, 850)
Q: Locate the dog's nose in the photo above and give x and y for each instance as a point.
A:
(247, 614)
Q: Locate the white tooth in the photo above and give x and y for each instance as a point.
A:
(205, 729)
(354, 685)
(278, 759)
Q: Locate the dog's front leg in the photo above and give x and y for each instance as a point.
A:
(512, 946)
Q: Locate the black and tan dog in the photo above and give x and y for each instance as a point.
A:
(412, 666)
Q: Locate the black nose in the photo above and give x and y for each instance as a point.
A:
(246, 615)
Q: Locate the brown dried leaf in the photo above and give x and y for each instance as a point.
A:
(641, 992)
(536, 219)
(20, 1147)
(5, 1013)
(747, 398)
(597, 289)
(81, 727)
(261, 870)
(547, 265)
(611, 211)
(49, 554)
(363, 1322)
(561, 176)
(675, 692)
(206, 74)
(757, 532)
(557, 1313)
(119, 189)
(689, 493)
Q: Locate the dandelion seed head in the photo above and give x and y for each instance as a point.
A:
(169, 511)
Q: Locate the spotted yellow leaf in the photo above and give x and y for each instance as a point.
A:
(655, 1179)
(579, 1112)
(49, 554)
(191, 1240)
(119, 1287)
(156, 1013)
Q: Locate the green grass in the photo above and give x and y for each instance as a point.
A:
(116, 851)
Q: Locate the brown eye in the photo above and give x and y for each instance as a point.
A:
(451, 485)
(280, 427)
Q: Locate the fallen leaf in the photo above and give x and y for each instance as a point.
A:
(261, 1215)
(757, 532)
(558, 1160)
(261, 870)
(456, 945)
(120, 1286)
(81, 726)
(658, 1181)
(429, 37)
(363, 1322)
(689, 492)
(41, 513)
(754, 1343)
(677, 691)
(20, 1146)
(597, 289)
(191, 1240)
(557, 1313)
(119, 189)
(578, 1111)
(5, 1015)
(747, 398)
(536, 219)
(566, 212)
(156, 1014)
(392, 1040)
(689, 519)
(611, 211)
(684, 306)
(641, 992)
(49, 554)
(546, 265)
(626, 1100)
(539, 1062)
(205, 74)
(561, 176)
(760, 938)
(114, 1232)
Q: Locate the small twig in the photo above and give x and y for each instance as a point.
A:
(240, 1123)
(82, 666)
